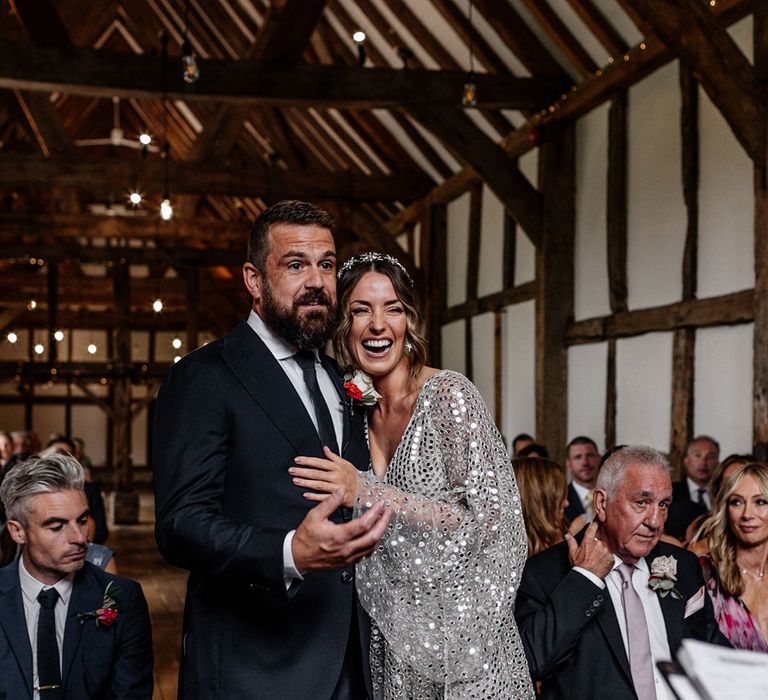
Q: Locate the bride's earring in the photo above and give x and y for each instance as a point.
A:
(408, 347)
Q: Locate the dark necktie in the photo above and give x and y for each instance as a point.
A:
(306, 360)
(48, 664)
(700, 497)
(640, 658)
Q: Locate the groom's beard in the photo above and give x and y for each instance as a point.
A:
(309, 330)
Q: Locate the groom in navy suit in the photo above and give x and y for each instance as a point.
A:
(60, 634)
(271, 609)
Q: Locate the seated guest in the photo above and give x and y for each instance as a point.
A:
(691, 495)
(67, 628)
(543, 488)
(591, 613)
(522, 440)
(6, 448)
(736, 565)
(534, 449)
(695, 535)
(582, 461)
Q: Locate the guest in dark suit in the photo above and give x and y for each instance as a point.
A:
(67, 629)
(582, 461)
(691, 496)
(271, 610)
(593, 612)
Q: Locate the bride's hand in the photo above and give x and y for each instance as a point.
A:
(326, 476)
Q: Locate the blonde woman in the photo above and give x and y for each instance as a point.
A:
(544, 497)
(735, 569)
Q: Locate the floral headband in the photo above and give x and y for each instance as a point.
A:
(372, 257)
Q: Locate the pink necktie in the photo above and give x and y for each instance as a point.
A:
(640, 659)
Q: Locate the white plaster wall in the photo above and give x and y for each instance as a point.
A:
(11, 418)
(47, 420)
(482, 358)
(644, 390)
(587, 381)
(726, 200)
(457, 226)
(656, 211)
(590, 254)
(519, 370)
(525, 253)
(723, 386)
(491, 277)
(452, 339)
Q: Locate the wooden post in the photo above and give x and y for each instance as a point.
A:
(684, 339)
(473, 268)
(554, 277)
(433, 266)
(53, 310)
(193, 285)
(760, 388)
(616, 227)
(126, 502)
(510, 250)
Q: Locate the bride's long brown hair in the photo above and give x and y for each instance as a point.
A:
(406, 294)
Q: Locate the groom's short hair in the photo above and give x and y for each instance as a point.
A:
(288, 211)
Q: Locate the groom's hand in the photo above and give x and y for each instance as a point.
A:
(321, 544)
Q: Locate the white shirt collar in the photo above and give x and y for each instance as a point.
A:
(279, 347)
(693, 488)
(31, 587)
(581, 490)
(640, 564)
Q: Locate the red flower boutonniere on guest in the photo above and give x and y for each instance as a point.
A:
(107, 614)
(359, 388)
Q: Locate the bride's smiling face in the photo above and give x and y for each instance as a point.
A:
(376, 339)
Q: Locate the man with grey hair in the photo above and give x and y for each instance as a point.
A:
(600, 610)
(67, 628)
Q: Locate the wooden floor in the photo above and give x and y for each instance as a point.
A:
(164, 587)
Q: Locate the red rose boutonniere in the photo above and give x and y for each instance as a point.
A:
(359, 388)
(108, 613)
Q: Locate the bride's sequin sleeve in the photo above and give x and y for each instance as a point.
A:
(441, 586)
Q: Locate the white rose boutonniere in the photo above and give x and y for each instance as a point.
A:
(359, 388)
(664, 577)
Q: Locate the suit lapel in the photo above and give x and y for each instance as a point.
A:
(263, 378)
(85, 597)
(609, 626)
(671, 608)
(14, 623)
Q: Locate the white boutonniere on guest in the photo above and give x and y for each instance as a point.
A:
(664, 577)
(359, 388)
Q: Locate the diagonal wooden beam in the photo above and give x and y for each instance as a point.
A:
(691, 31)
(501, 172)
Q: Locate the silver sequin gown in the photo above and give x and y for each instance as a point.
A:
(441, 587)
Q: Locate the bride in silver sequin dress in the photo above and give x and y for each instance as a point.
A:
(441, 587)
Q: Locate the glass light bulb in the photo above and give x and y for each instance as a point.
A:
(358, 37)
(176, 359)
(12, 337)
(190, 70)
(145, 139)
(469, 97)
(39, 348)
(32, 305)
(157, 306)
(59, 335)
(176, 342)
(166, 210)
(135, 198)
(92, 348)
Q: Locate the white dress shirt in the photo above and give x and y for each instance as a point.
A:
(693, 490)
(654, 618)
(30, 589)
(284, 353)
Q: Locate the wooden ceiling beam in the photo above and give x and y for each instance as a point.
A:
(499, 171)
(13, 226)
(116, 176)
(691, 31)
(102, 73)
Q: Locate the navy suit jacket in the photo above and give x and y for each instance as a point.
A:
(682, 511)
(228, 424)
(97, 662)
(570, 632)
(575, 508)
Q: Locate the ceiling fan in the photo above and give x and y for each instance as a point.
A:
(117, 135)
